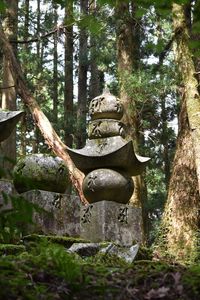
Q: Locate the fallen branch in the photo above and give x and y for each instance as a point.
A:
(49, 134)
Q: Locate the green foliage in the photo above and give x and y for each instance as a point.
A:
(2, 6)
(192, 278)
(15, 217)
(63, 264)
(46, 271)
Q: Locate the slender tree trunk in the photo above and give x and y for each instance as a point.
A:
(165, 141)
(94, 86)
(127, 61)
(8, 147)
(35, 142)
(26, 49)
(47, 131)
(68, 93)
(55, 70)
(181, 220)
(82, 80)
(128, 58)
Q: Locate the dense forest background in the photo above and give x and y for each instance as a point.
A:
(147, 53)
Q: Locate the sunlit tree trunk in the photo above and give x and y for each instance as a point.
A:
(82, 80)
(181, 220)
(8, 147)
(68, 93)
(128, 61)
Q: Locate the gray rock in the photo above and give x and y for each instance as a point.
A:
(110, 221)
(128, 254)
(8, 121)
(6, 187)
(61, 215)
(42, 172)
(84, 249)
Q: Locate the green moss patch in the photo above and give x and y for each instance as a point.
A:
(10, 249)
(61, 240)
(47, 271)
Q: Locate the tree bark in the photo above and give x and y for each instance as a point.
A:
(165, 141)
(128, 61)
(181, 220)
(68, 93)
(47, 131)
(55, 70)
(8, 147)
(23, 125)
(82, 80)
(94, 86)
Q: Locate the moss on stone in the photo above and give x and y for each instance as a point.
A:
(109, 260)
(10, 249)
(61, 240)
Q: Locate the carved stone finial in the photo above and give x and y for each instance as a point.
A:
(106, 90)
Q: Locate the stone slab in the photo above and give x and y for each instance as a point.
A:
(61, 215)
(110, 221)
(8, 188)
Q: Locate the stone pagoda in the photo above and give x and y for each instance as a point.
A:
(109, 161)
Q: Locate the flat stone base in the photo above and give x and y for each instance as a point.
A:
(110, 221)
(61, 215)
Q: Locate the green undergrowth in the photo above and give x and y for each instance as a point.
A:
(60, 240)
(10, 249)
(40, 269)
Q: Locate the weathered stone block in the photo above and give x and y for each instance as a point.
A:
(61, 215)
(110, 221)
(7, 187)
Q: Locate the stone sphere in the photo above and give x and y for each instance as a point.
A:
(107, 184)
(42, 172)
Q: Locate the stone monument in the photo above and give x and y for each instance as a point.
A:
(109, 162)
(8, 121)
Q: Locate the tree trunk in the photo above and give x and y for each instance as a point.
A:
(68, 93)
(23, 125)
(128, 58)
(94, 86)
(47, 131)
(8, 147)
(165, 141)
(82, 81)
(181, 217)
(55, 70)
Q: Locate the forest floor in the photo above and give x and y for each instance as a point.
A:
(45, 270)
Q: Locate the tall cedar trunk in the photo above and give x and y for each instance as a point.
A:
(94, 86)
(82, 80)
(55, 70)
(181, 217)
(8, 147)
(47, 131)
(37, 92)
(68, 93)
(165, 141)
(127, 56)
(23, 124)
